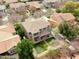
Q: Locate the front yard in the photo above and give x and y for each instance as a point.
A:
(43, 46)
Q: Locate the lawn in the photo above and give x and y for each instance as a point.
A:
(42, 46)
(55, 29)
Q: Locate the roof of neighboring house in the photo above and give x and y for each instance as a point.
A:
(59, 4)
(4, 35)
(35, 4)
(1, 1)
(8, 27)
(10, 1)
(8, 41)
(58, 17)
(76, 57)
(16, 5)
(34, 26)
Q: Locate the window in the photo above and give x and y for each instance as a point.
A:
(36, 38)
(42, 37)
(29, 32)
(35, 34)
(47, 35)
(44, 28)
(40, 29)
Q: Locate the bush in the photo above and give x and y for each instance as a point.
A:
(67, 30)
(20, 30)
(24, 49)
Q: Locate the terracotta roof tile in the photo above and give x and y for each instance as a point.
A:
(7, 28)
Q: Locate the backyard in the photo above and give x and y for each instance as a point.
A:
(43, 46)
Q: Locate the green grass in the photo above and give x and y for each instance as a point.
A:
(41, 47)
(49, 39)
(56, 29)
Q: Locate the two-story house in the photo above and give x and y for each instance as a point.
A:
(37, 30)
(8, 37)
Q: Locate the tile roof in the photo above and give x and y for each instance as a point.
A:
(7, 28)
(35, 4)
(4, 35)
(58, 17)
(8, 42)
(34, 26)
(16, 5)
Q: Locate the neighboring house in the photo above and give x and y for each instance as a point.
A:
(8, 27)
(57, 18)
(49, 3)
(15, 18)
(43, 12)
(33, 6)
(10, 1)
(37, 30)
(8, 39)
(19, 7)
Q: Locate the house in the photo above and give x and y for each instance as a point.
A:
(33, 6)
(53, 3)
(37, 30)
(49, 3)
(8, 38)
(10, 1)
(19, 7)
(57, 18)
(8, 27)
(8, 41)
(15, 17)
(43, 12)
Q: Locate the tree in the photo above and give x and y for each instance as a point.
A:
(76, 12)
(20, 30)
(67, 30)
(70, 7)
(24, 49)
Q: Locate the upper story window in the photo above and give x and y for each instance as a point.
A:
(36, 38)
(44, 28)
(29, 32)
(35, 34)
